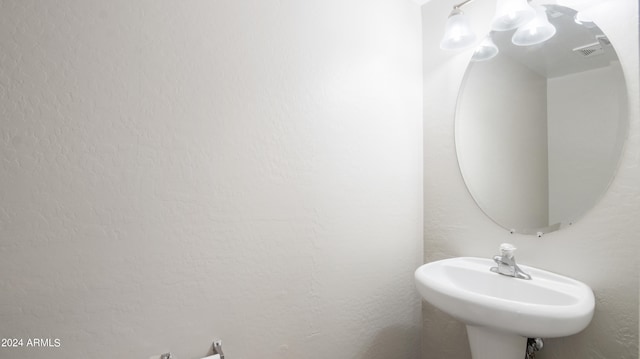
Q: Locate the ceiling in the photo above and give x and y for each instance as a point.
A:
(556, 57)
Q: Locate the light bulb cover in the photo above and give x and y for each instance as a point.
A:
(535, 31)
(512, 13)
(486, 50)
(458, 33)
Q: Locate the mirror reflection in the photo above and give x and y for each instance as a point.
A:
(540, 129)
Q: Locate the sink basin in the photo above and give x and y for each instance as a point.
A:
(548, 305)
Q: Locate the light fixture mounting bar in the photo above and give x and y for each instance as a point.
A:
(458, 6)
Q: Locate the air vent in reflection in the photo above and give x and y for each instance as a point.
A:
(603, 40)
(590, 50)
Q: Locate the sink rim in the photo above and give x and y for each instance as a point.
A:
(523, 318)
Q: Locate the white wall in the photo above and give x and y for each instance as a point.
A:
(502, 146)
(172, 172)
(601, 249)
(576, 122)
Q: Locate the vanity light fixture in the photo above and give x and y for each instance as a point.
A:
(512, 14)
(532, 24)
(535, 31)
(486, 50)
(458, 33)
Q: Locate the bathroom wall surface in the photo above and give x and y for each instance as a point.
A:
(505, 165)
(600, 249)
(174, 172)
(573, 125)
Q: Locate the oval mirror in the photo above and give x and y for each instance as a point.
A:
(539, 129)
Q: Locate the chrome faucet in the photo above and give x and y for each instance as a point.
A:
(507, 263)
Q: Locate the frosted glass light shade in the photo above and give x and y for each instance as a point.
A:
(486, 50)
(511, 14)
(458, 33)
(535, 31)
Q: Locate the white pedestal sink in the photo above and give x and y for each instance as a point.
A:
(501, 311)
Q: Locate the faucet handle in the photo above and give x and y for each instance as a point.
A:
(507, 249)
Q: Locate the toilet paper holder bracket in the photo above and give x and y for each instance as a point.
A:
(217, 348)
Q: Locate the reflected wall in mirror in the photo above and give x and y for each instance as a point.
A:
(540, 129)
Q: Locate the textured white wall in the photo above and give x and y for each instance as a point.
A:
(171, 172)
(502, 149)
(601, 249)
(576, 123)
